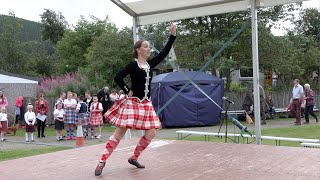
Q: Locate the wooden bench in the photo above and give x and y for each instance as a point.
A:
(311, 145)
(246, 136)
(205, 134)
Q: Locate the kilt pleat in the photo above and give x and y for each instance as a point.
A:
(70, 116)
(30, 128)
(96, 119)
(134, 114)
(84, 117)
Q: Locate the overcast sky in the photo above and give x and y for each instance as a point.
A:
(72, 9)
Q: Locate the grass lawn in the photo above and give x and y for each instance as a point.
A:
(18, 153)
(308, 132)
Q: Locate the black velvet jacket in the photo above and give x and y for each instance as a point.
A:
(138, 75)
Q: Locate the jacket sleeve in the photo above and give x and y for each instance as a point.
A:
(37, 107)
(26, 118)
(121, 75)
(164, 52)
(46, 107)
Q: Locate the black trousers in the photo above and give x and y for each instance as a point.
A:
(41, 126)
(309, 110)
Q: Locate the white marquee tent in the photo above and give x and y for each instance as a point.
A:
(146, 12)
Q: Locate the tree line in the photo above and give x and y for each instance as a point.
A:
(97, 49)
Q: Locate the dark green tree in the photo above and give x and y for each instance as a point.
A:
(54, 25)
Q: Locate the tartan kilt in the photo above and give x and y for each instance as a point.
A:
(30, 128)
(70, 116)
(4, 125)
(96, 119)
(84, 117)
(133, 113)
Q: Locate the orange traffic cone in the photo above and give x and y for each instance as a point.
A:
(79, 138)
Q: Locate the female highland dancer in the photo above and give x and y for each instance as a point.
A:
(136, 110)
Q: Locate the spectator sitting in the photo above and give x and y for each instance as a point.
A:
(270, 104)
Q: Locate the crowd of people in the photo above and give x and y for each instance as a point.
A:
(301, 103)
(68, 110)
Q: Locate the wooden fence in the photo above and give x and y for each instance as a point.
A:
(280, 99)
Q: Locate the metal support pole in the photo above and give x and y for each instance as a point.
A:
(135, 39)
(135, 30)
(255, 66)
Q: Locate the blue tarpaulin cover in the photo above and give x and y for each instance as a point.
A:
(191, 107)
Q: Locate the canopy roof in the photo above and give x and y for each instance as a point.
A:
(177, 78)
(155, 11)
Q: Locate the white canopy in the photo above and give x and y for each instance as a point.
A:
(155, 11)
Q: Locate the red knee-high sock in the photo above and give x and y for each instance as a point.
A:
(143, 143)
(110, 146)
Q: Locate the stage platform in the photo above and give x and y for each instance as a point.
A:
(176, 160)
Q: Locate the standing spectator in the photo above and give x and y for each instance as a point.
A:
(19, 110)
(121, 94)
(96, 117)
(88, 100)
(263, 105)
(3, 100)
(297, 95)
(75, 97)
(114, 95)
(61, 99)
(3, 123)
(270, 105)
(309, 104)
(83, 115)
(30, 119)
(42, 107)
(59, 116)
(248, 100)
(70, 105)
(104, 98)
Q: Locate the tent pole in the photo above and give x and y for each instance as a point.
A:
(135, 30)
(255, 66)
(135, 39)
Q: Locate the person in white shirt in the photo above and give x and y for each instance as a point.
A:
(3, 123)
(114, 96)
(59, 116)
(30, 119)
(96, 117)
(297, 98)
(70, 105)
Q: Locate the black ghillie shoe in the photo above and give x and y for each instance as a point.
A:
(99, 168)
(135, 163)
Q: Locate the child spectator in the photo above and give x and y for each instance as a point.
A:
(19, 110)
(59, 118)
(3, 123)
(30, 119)
(70, 106)
(83, 116)
(96, 117)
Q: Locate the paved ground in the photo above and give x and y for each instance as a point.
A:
(172, 160)
(18, 142)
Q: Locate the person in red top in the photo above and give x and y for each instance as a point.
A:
(309, 104)
(3, 100)
(42, 107)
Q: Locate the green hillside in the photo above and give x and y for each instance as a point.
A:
(31, 30)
